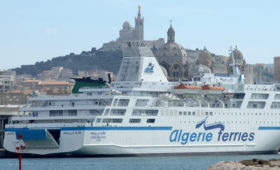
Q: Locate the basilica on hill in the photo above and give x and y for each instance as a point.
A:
(129, 33)
(177, 62)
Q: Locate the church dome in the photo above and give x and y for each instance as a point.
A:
(126, 25)
(197, 70)
(205, 58)
(171, 50)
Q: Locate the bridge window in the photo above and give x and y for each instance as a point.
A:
(118, 112)
(123, 102)
(141, 102)
(259, 96)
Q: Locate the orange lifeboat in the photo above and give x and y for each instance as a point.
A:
(184, 88)
(213, 89)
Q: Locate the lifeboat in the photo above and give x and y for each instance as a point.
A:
(184, 89)
(212, 89)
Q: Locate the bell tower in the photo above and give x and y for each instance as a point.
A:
(139, 25)
(170, 35)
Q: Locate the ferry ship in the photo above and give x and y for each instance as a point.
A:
(143, 113)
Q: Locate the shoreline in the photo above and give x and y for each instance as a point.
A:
(253, 164)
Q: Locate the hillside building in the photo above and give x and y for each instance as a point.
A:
(7, 80)
(277, 69)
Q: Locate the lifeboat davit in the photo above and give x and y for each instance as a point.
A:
(184, 89)
(212, 89)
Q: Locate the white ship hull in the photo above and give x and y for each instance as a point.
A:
(180, 139)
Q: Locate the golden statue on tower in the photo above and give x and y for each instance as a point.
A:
(139, 8)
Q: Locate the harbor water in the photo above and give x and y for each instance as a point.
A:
(126, 163)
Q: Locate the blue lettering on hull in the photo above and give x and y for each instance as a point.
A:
(185, 137)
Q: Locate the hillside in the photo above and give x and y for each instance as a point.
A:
(87, 60)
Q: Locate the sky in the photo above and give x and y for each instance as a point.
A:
(32, 31)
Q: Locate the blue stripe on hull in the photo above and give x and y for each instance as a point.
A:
(269, 128)
(118, 128)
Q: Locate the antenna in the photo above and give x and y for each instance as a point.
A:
(234, 65)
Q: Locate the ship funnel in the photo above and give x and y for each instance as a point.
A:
(140, 64)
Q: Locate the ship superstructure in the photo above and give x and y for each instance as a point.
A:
(142, 113)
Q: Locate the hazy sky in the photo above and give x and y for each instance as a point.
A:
(33, 30)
